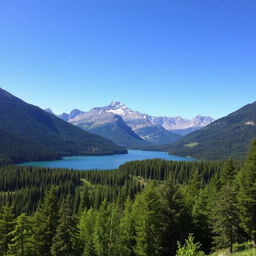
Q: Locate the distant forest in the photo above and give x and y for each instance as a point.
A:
(144, 208)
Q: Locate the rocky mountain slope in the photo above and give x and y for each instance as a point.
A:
(117, 121)
(108, 125)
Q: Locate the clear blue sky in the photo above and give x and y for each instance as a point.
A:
(161, 57)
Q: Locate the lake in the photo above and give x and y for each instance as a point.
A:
(104, 162)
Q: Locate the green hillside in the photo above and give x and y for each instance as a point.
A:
(33, 134)
(16, 149)
(229, 136)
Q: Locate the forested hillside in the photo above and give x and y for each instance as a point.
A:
(17, 149)
(29, 133)
(143, 208)
(229, 136)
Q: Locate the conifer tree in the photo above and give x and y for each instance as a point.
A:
(21, 243)
(127, 230)
(101, 234)
(106, 235)
(201, 220)
(77, 201)
(193, 188)
(175, 217)
(85, 202)
(45, 223)
(225, 212)
(64, 238)
(228, 172)
(114, 236)
(247, 193)
(86, 231)
(148, 222)
(7, 223)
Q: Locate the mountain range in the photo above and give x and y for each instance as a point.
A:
(226, 137)
(29, 133)
(131, 128)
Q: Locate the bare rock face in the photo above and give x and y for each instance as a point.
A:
(250, 123)
(183, 126)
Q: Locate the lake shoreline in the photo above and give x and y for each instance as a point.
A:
(104, 162)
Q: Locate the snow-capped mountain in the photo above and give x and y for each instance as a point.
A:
(142, 124)
(116, 121)
(108, 125)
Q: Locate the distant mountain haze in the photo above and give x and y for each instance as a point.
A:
(131, 128)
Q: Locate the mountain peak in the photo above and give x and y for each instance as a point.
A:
(74, 113)
(117, 108)
(116, 104)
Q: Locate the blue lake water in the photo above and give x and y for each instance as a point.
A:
(104, 162)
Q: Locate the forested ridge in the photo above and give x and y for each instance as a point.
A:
(229, 136)
(29, 133)
(150, 207)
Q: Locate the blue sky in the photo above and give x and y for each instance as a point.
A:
(160, 57)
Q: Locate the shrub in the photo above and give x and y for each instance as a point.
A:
(190, 248)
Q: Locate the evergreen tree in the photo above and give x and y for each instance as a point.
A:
(85, 202)
(201, 220)
(247, 193)
(21, 243)
(7, 223)
(86, 231)
(101, 234)
(114, 223)
(106, 235)
(64, 238)
(175, 217)
(225, 212)
(228, 172)
(77, 201)
(193, 188)
(148, 222)
(45, 223)
(127, 230)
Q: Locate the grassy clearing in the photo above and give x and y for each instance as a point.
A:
(191, 145)
(239, 250)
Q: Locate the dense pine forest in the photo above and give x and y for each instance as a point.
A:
(145, 208)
